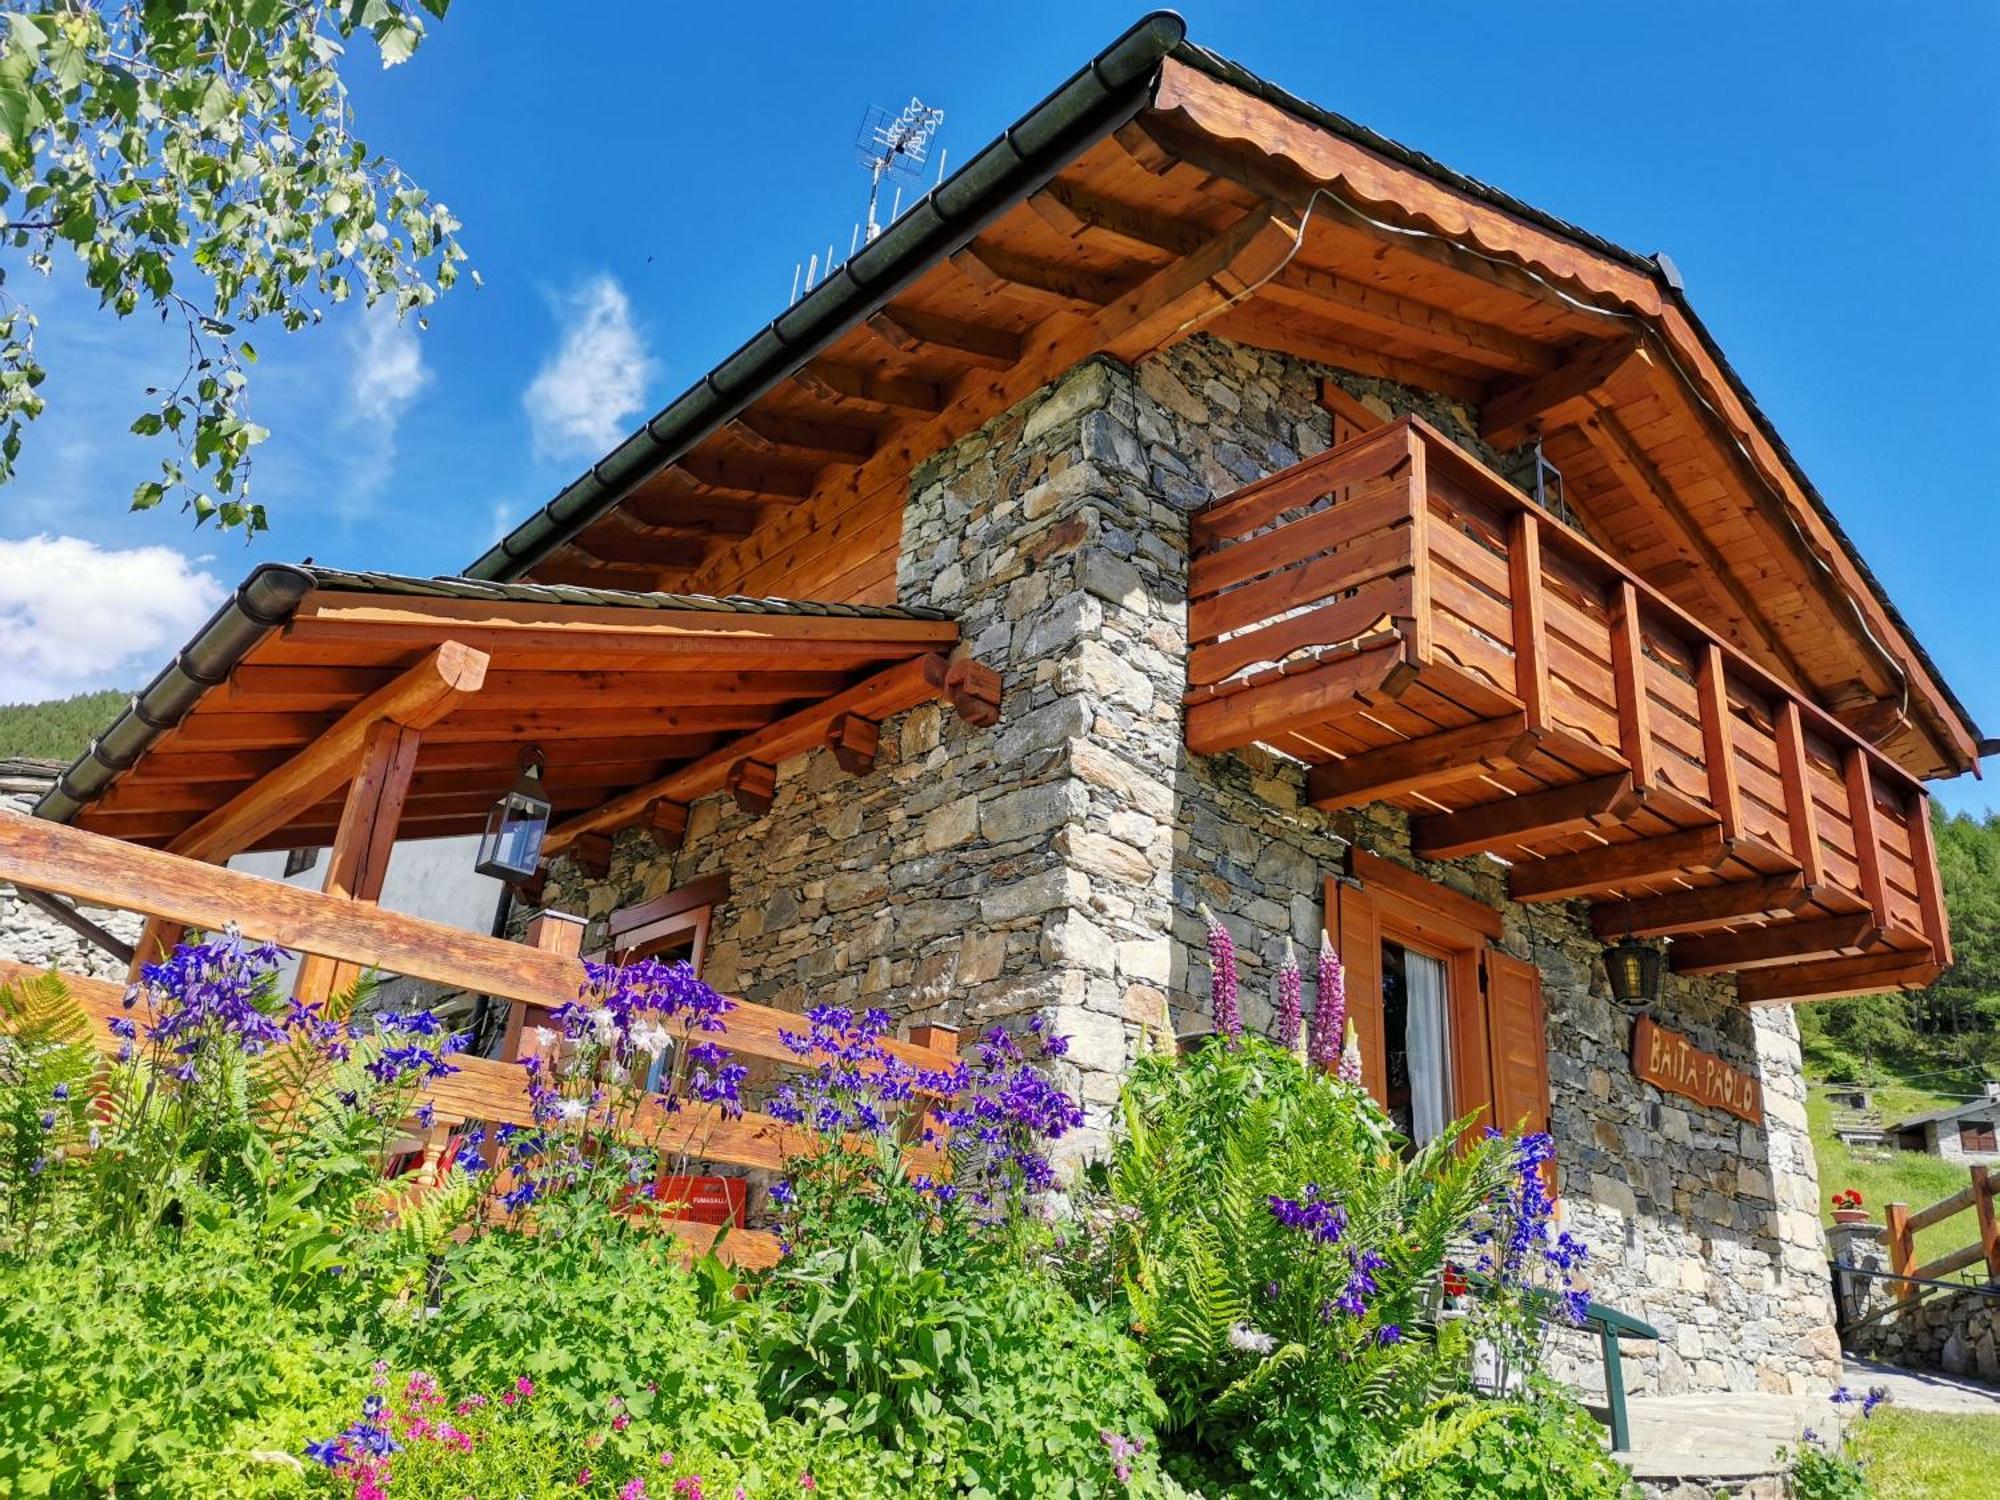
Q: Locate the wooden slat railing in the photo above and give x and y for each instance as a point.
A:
(106, 872)
(1902, 1227)
(1323, 596)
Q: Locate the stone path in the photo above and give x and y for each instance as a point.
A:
(1920, 1390)
(1690, 1445)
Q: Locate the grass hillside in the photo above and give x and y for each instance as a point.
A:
(1916, 1052)
(60, 728)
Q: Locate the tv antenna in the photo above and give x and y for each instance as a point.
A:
(894, 146)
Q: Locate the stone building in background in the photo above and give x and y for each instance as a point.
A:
(1342, 545)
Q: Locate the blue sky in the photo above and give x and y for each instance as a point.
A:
(638, 181)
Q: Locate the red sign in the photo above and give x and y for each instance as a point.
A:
(705, 1200)
(1670, 1061)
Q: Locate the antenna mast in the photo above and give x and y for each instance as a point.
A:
(894, 146)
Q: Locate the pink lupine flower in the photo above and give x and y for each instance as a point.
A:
(1350, 1057)
(1223, 984)
(1329, 1010)
(1290, 987)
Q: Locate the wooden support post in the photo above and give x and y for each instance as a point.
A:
(1984, 1186)
(556, 932)
(1531, 646)
(1418, 629)
(754, 785)
(1628, 671)
(1930, 885)
(853, 741)
(1718, 748)
(157, 938)
(358, 863)
(1801, 816)
(1902, 1245)
(666, 823)
(1867, 832)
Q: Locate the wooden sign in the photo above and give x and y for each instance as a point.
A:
(1671, 1061)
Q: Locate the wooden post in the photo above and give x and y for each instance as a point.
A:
(556, 932)
(359, 860)
(157, 938)
(1628, 670)
(1984, 1187)
(943, 1039)
(1902, 1246)
(1531, 646)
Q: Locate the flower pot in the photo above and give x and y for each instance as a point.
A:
(1851, 1216)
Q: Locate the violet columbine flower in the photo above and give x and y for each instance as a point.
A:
(1227, 1013)
(1290, 987)
(1329, 1023)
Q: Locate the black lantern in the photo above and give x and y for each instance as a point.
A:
(1634, 969)
(511, 847)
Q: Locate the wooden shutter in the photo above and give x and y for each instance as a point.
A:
(1518, 1030)
(1357, 937)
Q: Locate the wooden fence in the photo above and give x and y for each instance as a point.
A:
(1903, 1227)
(106, 872)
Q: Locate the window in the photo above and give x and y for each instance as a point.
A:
(1977, 1135)
(671, 927)
(1448, 1024)
(298, 861)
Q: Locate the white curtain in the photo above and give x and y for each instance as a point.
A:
(1430, 1108)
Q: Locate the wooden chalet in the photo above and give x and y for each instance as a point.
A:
(1544, 612)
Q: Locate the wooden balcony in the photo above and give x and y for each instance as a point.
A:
(1410, 625)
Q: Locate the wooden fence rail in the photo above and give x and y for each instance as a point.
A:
(170, 888)
(1903, 1225)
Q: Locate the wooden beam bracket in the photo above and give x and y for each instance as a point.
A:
(754, 785)
(666, 823)
(1596, 871)
(974, 691)
(853, 741)
(1415, 765)
(591, 853)
(1536, 815)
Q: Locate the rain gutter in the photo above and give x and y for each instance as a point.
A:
(1108, 91)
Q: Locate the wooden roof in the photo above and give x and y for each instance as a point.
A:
(1228, 207)
(619, 693)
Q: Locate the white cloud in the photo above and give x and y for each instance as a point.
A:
(587, 391)
(387, 374)
(75, 616)
(389, 368)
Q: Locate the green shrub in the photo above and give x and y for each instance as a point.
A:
(1547, 1448)
(160, 1370)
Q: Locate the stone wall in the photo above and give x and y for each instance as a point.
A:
(30, 935)
(1057, 863)
(1957, 1333)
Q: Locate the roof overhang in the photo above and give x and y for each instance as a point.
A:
(246, 740)
(1395, 266)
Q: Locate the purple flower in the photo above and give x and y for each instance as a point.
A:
(1329, 1024)
(1310, 1214)
(59, 1093)
(1223, 982)
(1290, 987)
(1389, 1333)
(784, 1194)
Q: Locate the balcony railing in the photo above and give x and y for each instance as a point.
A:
(1416, 630)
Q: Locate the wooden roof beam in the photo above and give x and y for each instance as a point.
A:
(715, 474)
(840, 383)
(448, 674)
(1510, 413)
(568, 568)
(1779, 943)
(1042, 285)
(1516, 820)
(821, 442)
(1702, 909)
(919, 680)
(1270, 326)
(914, 331)
(1080, 213)
(1830, 979)
(1605, 869)
(1419, 765)
(1360, 304)
(620, 544)
(1737, 611)
(660, 505)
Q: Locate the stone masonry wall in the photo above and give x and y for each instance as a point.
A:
(1057, 863)
(29, 935)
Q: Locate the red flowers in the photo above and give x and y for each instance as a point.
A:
(1850, 1199)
